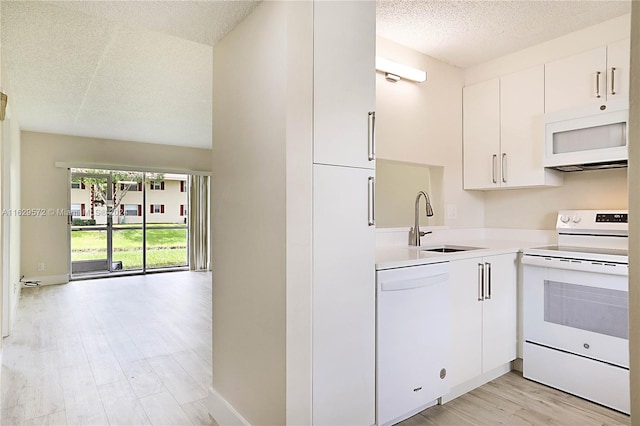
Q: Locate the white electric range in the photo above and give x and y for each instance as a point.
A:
(575, 302)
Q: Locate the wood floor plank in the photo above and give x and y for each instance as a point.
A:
(143, 379)
(121, 404)
(43, 393)
(81, 400)
(163, 409)
(177, 381)
(197, 412)
(54, 419)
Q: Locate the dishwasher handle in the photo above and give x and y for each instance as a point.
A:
(414, 283)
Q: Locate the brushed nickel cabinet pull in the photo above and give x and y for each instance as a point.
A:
(598, 84)
(480, 282)
(504, 167)
(613, 80)
(488, 279)
(371, 132)
(494, 162)
(372, 201)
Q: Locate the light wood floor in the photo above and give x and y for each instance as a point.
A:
(120, 351)
(513, 400)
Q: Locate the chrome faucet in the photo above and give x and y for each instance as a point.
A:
(415, 233)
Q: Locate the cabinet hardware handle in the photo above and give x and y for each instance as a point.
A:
(372, 201)
(613, 80)
(494, 162)
(480, 282)
(488, 279)
(504, 167)
(371, 135)
(598, 84)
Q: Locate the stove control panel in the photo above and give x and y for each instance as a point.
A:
(612, 217)
(596, 222)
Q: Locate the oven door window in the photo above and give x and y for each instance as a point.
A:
(599, 310)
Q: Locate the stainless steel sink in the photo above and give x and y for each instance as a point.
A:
(449, 249)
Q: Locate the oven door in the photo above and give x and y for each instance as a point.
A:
(584, 313)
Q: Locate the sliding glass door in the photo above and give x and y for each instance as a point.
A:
(127, 222)
(167, 227)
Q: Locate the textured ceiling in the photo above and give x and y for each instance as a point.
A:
(466, 33)
(141, 70)
(117, 70)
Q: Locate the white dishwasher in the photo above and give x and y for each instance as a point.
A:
(412, 326)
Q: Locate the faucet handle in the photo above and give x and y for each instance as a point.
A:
(422, 234)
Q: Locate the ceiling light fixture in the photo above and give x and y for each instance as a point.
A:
(397, 70)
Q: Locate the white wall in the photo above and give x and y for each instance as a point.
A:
(10, 200)
(397, 185)
(261, 214)
(579, 41)
(422, 123)
(536, 208)
(45, 238)
(634, 215)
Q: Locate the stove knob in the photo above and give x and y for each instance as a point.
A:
(576, 219)
(564, 218)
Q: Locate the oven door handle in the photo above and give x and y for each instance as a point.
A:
(577, 265)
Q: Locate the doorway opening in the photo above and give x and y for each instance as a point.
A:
(127, 222)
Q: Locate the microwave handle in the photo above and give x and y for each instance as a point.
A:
(598, 84)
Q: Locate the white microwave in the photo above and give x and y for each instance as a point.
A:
(593, 137)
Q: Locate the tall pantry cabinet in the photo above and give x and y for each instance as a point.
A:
(343, 324)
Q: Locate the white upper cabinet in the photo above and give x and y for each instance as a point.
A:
(591, 77)
(618, 57)
(503, 132)
(522, 132)
(344, 82)
(481, 134)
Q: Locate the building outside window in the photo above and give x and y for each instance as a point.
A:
(156, 185)
(156, 208)
(132, 210)
(76, 185)
(183, 210)
(131, 186)
(77, 209)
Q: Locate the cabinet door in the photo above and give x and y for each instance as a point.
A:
(466, 321)
(618, 55)
(499, 319)
(343, 298)
(521, 128)
(481, 134)
(344, 81)
(572, 82)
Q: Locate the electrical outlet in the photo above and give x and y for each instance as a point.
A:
(40, 267)
(452, 211)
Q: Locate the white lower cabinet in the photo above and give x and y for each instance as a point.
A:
(483, 319)
(343, 296)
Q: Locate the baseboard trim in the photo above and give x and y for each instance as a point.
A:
(222, 412)
(47, 279)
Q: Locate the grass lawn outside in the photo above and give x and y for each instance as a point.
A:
(132, 259)
(165, 247)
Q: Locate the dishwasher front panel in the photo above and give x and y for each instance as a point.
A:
(412, 340)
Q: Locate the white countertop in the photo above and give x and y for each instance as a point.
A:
(488, 242)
